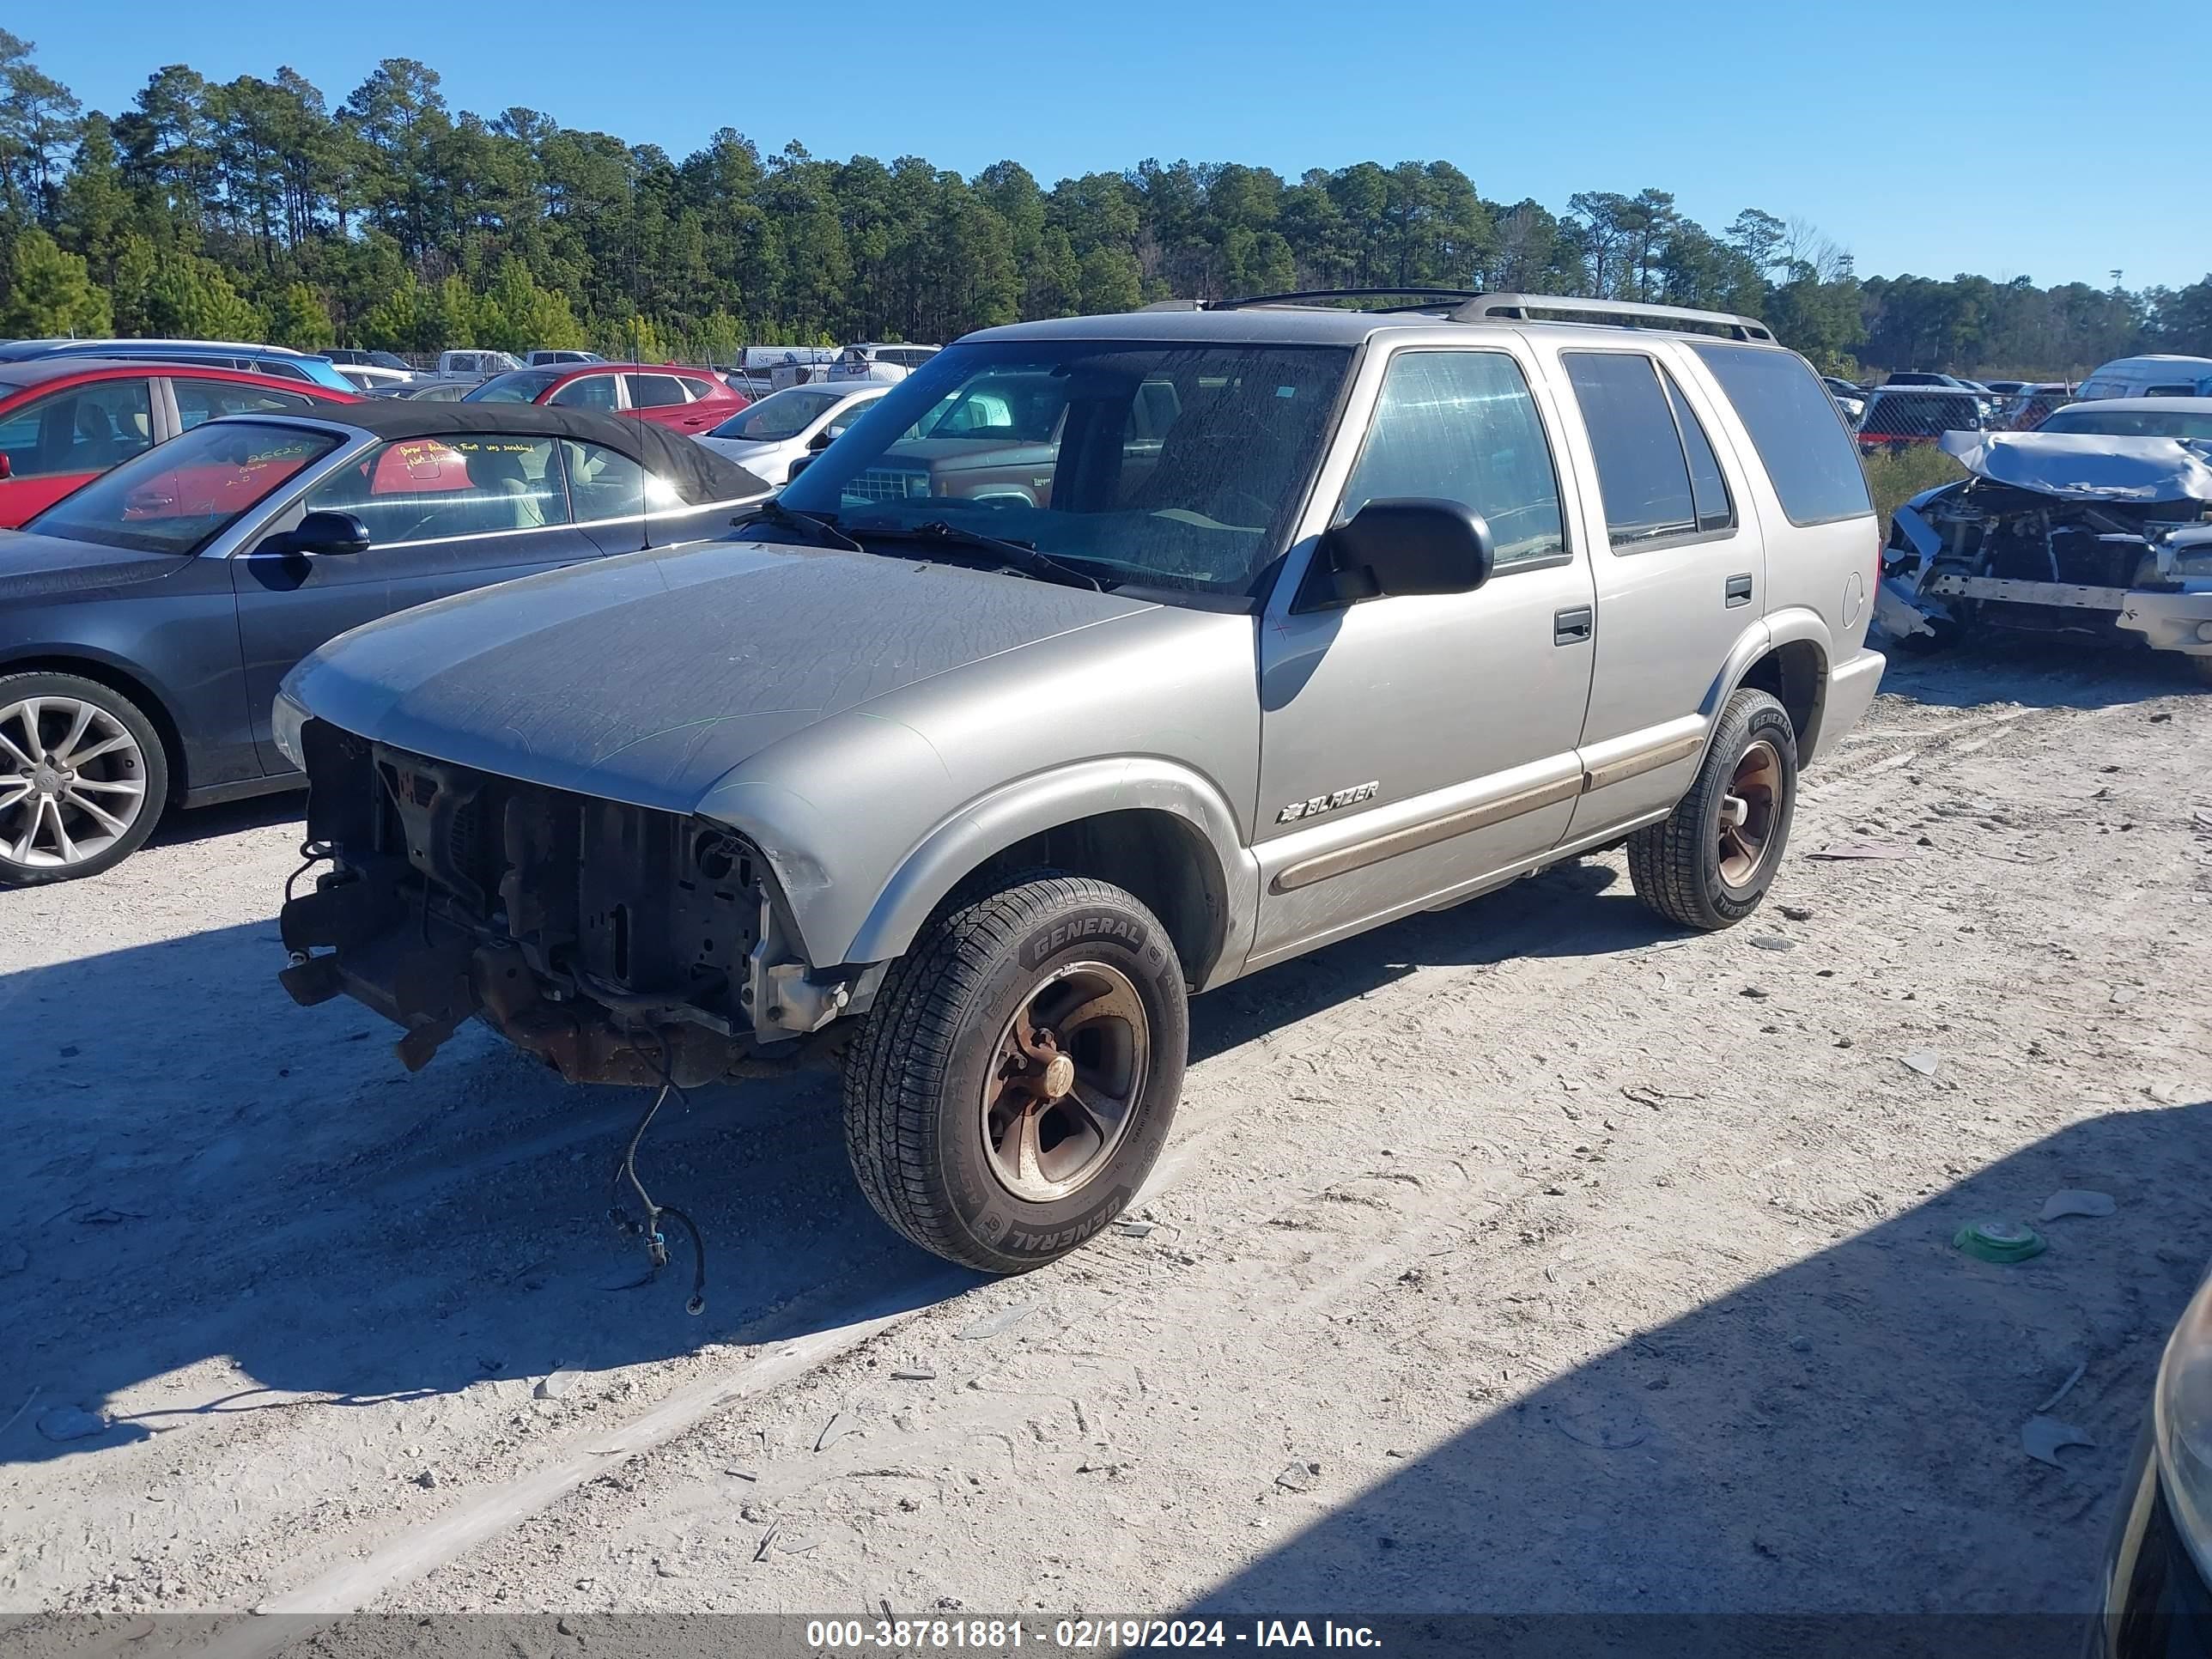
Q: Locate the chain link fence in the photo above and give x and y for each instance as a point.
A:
(1898, 417)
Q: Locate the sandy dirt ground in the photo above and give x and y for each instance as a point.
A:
(1527, 1255)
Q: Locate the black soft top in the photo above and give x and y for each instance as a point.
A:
(698, 474)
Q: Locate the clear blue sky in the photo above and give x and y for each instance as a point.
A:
(1931, 137)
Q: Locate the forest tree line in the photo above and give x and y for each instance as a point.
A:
(254, 209)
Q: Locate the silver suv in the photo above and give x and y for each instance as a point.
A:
(1232, 630)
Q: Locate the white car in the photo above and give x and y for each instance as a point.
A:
(2156, 374)
(786, 427)
(374, 377)
(879, 363)
(476, 362)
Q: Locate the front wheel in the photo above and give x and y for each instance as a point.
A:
(1709, 862)
(1014, 1081)
(82, 778)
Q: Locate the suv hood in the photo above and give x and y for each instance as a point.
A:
(647, 678)
(35, 566)
(2087, 467)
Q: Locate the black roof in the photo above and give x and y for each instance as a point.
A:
(698, 474)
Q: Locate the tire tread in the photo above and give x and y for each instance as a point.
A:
(895, 1064)
(1666, 860)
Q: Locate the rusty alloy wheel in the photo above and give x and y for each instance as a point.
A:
(1069, 1069)
(1747, 812)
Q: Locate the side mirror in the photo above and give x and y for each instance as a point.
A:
(821, 441)
(321, 532)
(1413, 545)
(799, 465)
(7, 467)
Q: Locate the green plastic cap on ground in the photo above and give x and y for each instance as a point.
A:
(1999, 1241)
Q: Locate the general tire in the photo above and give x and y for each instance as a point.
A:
(1680, 866)
(916, 1113)
(140, 761)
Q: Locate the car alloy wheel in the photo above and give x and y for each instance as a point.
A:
(1747, 813)
(1070, 1067)
(72, 781)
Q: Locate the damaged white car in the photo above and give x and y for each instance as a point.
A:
(2099, 522)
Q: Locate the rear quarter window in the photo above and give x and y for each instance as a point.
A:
(1793, 425)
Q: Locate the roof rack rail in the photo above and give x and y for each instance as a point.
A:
(1523, 307)
(1308, 296)
(1437, 298)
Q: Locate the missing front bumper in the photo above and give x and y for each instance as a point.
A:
(617, 944)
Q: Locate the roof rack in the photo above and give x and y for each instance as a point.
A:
(1436, 298)
(1522, 307)
(1463, 305)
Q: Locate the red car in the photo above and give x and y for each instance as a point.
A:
(64, 421)
(685, 399)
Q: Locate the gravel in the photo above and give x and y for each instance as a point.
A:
(1650, 1306)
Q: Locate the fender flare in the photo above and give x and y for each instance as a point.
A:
(1047, 800)
(1791, 625)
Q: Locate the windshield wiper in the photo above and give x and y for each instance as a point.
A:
(822, 532)
(1019, 556)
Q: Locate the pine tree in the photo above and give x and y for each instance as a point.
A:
(298, 318)
(192, 298)
(50, 293)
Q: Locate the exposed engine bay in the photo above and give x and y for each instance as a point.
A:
(2057, 533)
(618, 944)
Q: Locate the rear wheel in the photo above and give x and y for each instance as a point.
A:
(82, 778)
(1709, 864)
(1015, 1080)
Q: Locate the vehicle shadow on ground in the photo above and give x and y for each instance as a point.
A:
(203, 1169)
(1878, 1386)
(211, 1171)
(1572, 909)
(2039, 672)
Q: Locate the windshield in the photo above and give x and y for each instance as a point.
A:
(180, 495)
(523, 385)
(779, 415)
(1160, 465)
(2132, 422)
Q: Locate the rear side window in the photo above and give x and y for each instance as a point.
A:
(656, 391)
(1460, 425)
(699, 389)
(588, 392)
(206, 400)
(87, 428)
(1709, 491)
(1641, 470)
(1793, 425)
(605, 484)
